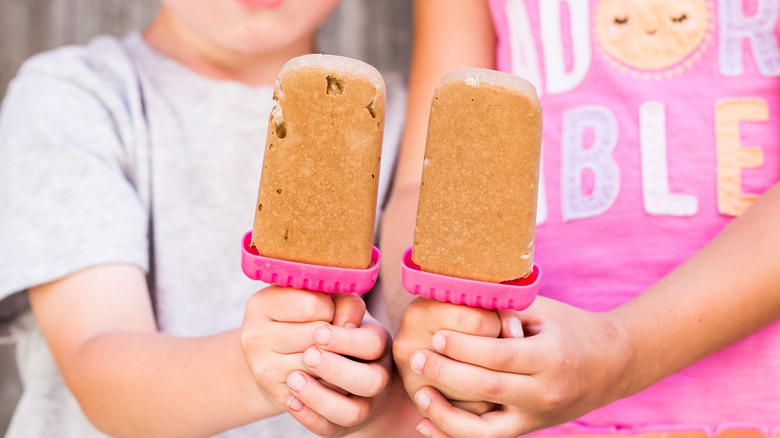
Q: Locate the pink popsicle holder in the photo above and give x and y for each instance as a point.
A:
(317, 278)
(510, 295)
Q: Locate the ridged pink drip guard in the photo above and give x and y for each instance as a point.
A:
(317, 278)
(511, 295)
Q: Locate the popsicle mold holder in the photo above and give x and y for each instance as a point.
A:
(509, 295)
(317, 278)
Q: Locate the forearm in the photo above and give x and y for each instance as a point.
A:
(395, 237)
(727, 291)
(152, 384)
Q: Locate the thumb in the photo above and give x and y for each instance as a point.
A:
(525, 323)
(511, 325)
(350, 310)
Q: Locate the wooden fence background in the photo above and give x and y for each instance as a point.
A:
(375, 31)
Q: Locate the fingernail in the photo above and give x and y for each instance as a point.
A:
(514, 327)
(350, 325)
(296, 381)
(439, 341)
(294, 404)
(312, 357)
(422, 400)
(322, 335)
(417, 361)
(424, 431)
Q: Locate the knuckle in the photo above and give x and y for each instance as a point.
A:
(329, 370)
(377, 383)
(554, 399)
(403, 346)
(417, 310)
(489, 388)
(558, 360)
(245, 339)
(439, 419)
(470, 322)
(307, 309)
(254, 305)
(353, 301)
(434, 369)
(258, 371)
(502, 358)
(355, 415)
(279, 396)
(376, 348)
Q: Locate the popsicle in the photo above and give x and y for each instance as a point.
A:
(477, 211)
(318, 189)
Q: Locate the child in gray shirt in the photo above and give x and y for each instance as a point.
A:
(128, 172)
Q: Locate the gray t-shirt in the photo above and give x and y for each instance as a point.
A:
(113, 153)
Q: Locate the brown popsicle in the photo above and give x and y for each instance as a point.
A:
(477, 212)
(318, 189)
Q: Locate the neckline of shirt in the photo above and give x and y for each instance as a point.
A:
(193, 78)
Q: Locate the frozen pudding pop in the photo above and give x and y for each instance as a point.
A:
(318, 191)
(477, 210)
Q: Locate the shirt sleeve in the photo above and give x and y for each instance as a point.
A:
(67, 201)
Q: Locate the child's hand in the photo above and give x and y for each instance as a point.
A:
(570, 362)
(421, 320)
(349, 356)
(279, 325)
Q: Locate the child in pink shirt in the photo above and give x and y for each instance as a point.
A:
(657, 223)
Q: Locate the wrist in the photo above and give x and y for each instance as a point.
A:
(252, 399)
(624, 365)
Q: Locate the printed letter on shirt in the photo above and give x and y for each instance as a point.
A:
(597, 158)
(525, 62)
(558, 79)
(655, 175)
(732, 156)
(759, 29)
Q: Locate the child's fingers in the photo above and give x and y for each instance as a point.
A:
(362, 379)
(286, 304)
(345, 411)
(426, 428)
(475, 407)
(270, 374)
(278, 337)
(290, 337)
(446, 419)
(369, 342)
(350, 310)
(510, 355)
(310, 419)
(474, 382)
(431, 315)
(451, 421)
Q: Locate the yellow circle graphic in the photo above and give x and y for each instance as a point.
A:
(653, 38)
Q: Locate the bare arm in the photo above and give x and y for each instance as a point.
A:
(131, 380)
(725, 292)
(448, 34)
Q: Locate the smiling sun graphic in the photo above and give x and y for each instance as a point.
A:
(653, 38)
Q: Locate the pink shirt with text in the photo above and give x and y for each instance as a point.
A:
(661, 126)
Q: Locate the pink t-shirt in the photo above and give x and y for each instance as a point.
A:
(661, 126)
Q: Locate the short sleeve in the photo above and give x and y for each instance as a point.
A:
(67, 200)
